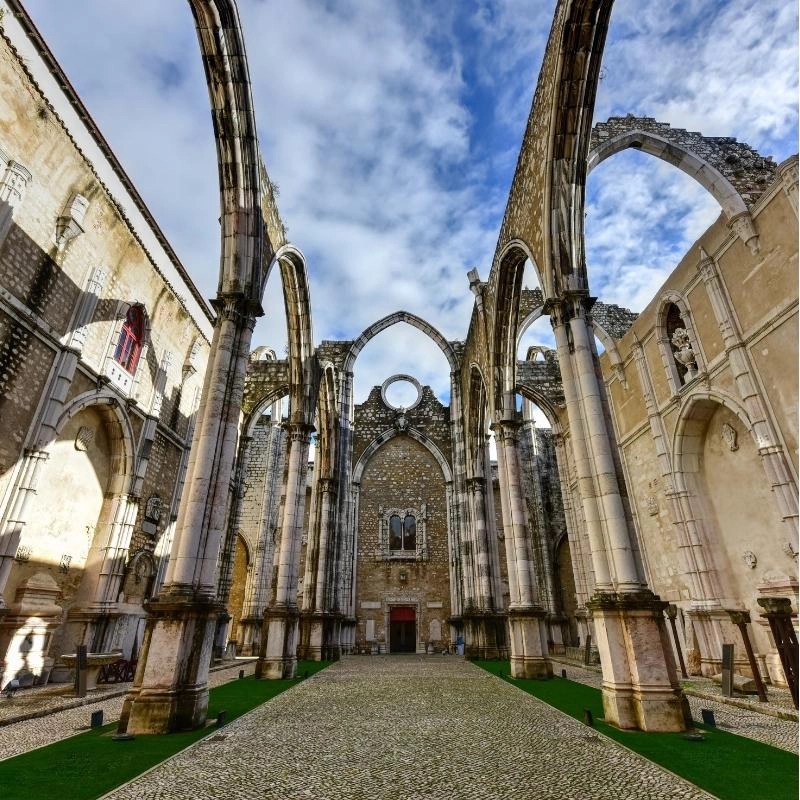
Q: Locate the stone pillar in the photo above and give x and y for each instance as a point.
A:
(529, 658)
(259, 581)
(319, 640)
(228, 555)
(773, 456)
(640, 688)
(170, 690)
(278, 657)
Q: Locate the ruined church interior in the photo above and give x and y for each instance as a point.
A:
(546, 548)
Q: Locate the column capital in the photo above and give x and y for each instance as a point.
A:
(237, 308)
(507, 429)
(568, 305)
(299, 431)
(476, 483)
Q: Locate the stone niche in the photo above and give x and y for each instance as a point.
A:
(25, 631)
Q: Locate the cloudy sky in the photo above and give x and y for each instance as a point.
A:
(392, 129)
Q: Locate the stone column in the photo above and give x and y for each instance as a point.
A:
(640, 688)
(321, 606)
(529, 658)
(278, 657)
(260, 579)
(14, 522)
(170, 690)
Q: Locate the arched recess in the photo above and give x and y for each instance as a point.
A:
(303, 370)
(505, 326)
(415, 434)
(393, 319)
(121, 440)
(547, 408)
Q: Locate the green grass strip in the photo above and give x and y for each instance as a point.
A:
(729, 766)
(90, 764)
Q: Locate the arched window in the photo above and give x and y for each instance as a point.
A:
(677, 341)
(410, 533)
(403, 534)
(131, 339)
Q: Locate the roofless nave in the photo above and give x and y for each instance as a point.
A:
(669, 475)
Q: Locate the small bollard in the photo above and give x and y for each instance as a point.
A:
(221, 718)
(96, 720)
(588, 718)
(241, 674)
(563, 673)
(708, 717)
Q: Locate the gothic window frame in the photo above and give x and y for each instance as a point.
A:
(420, 549)
(130, 342)
(678, 380)
(124, 375)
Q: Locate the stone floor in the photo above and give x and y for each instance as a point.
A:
(403, 727)
(743, 722)
(19, 737)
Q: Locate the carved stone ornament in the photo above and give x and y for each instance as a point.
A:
(652, 506)
(730, 437)
(749, 558)
(152, 510)
(84, 438)
(401, 421)
(63, 565)
(789, 550)
(684, 354)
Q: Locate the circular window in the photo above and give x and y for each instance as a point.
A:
(401, 391)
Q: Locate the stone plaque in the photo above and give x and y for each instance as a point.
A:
(370, 604)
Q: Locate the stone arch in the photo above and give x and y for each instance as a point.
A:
(265, 402)
(123, 448)
(415, 434)
(505, 325)
(244, 238)
(732, 172)
(392, 319)
(326, 419)
(476, 413)
(303, 372)
(548, 409)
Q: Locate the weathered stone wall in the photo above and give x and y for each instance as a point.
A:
(67, 278)
(402, 474)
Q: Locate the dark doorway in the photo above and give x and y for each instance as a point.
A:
(402, 630)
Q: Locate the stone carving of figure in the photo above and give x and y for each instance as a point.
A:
(684, 354)
(152, 510)
(730, 437)
(749, 558)
(401, 421)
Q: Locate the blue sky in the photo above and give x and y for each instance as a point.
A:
(392, 128)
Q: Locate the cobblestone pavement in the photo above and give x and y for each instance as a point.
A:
(406, 728)
(752, 724)
(19, 737)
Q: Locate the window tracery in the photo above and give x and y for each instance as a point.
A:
(402, 534)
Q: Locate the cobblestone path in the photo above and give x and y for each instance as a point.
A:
(741, 721)
(19, 737)
(406, 728)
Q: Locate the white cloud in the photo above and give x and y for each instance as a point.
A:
(392, 128)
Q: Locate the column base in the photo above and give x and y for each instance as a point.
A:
(278, 658)
(170, 690)
(640, 687)
(528, 629)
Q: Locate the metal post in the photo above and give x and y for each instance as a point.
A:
(81, 663)
(727, 670)
(672, 613)
(741, 619)
(778, 611)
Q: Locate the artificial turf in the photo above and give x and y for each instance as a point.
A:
(87, 766)
(728, 766)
